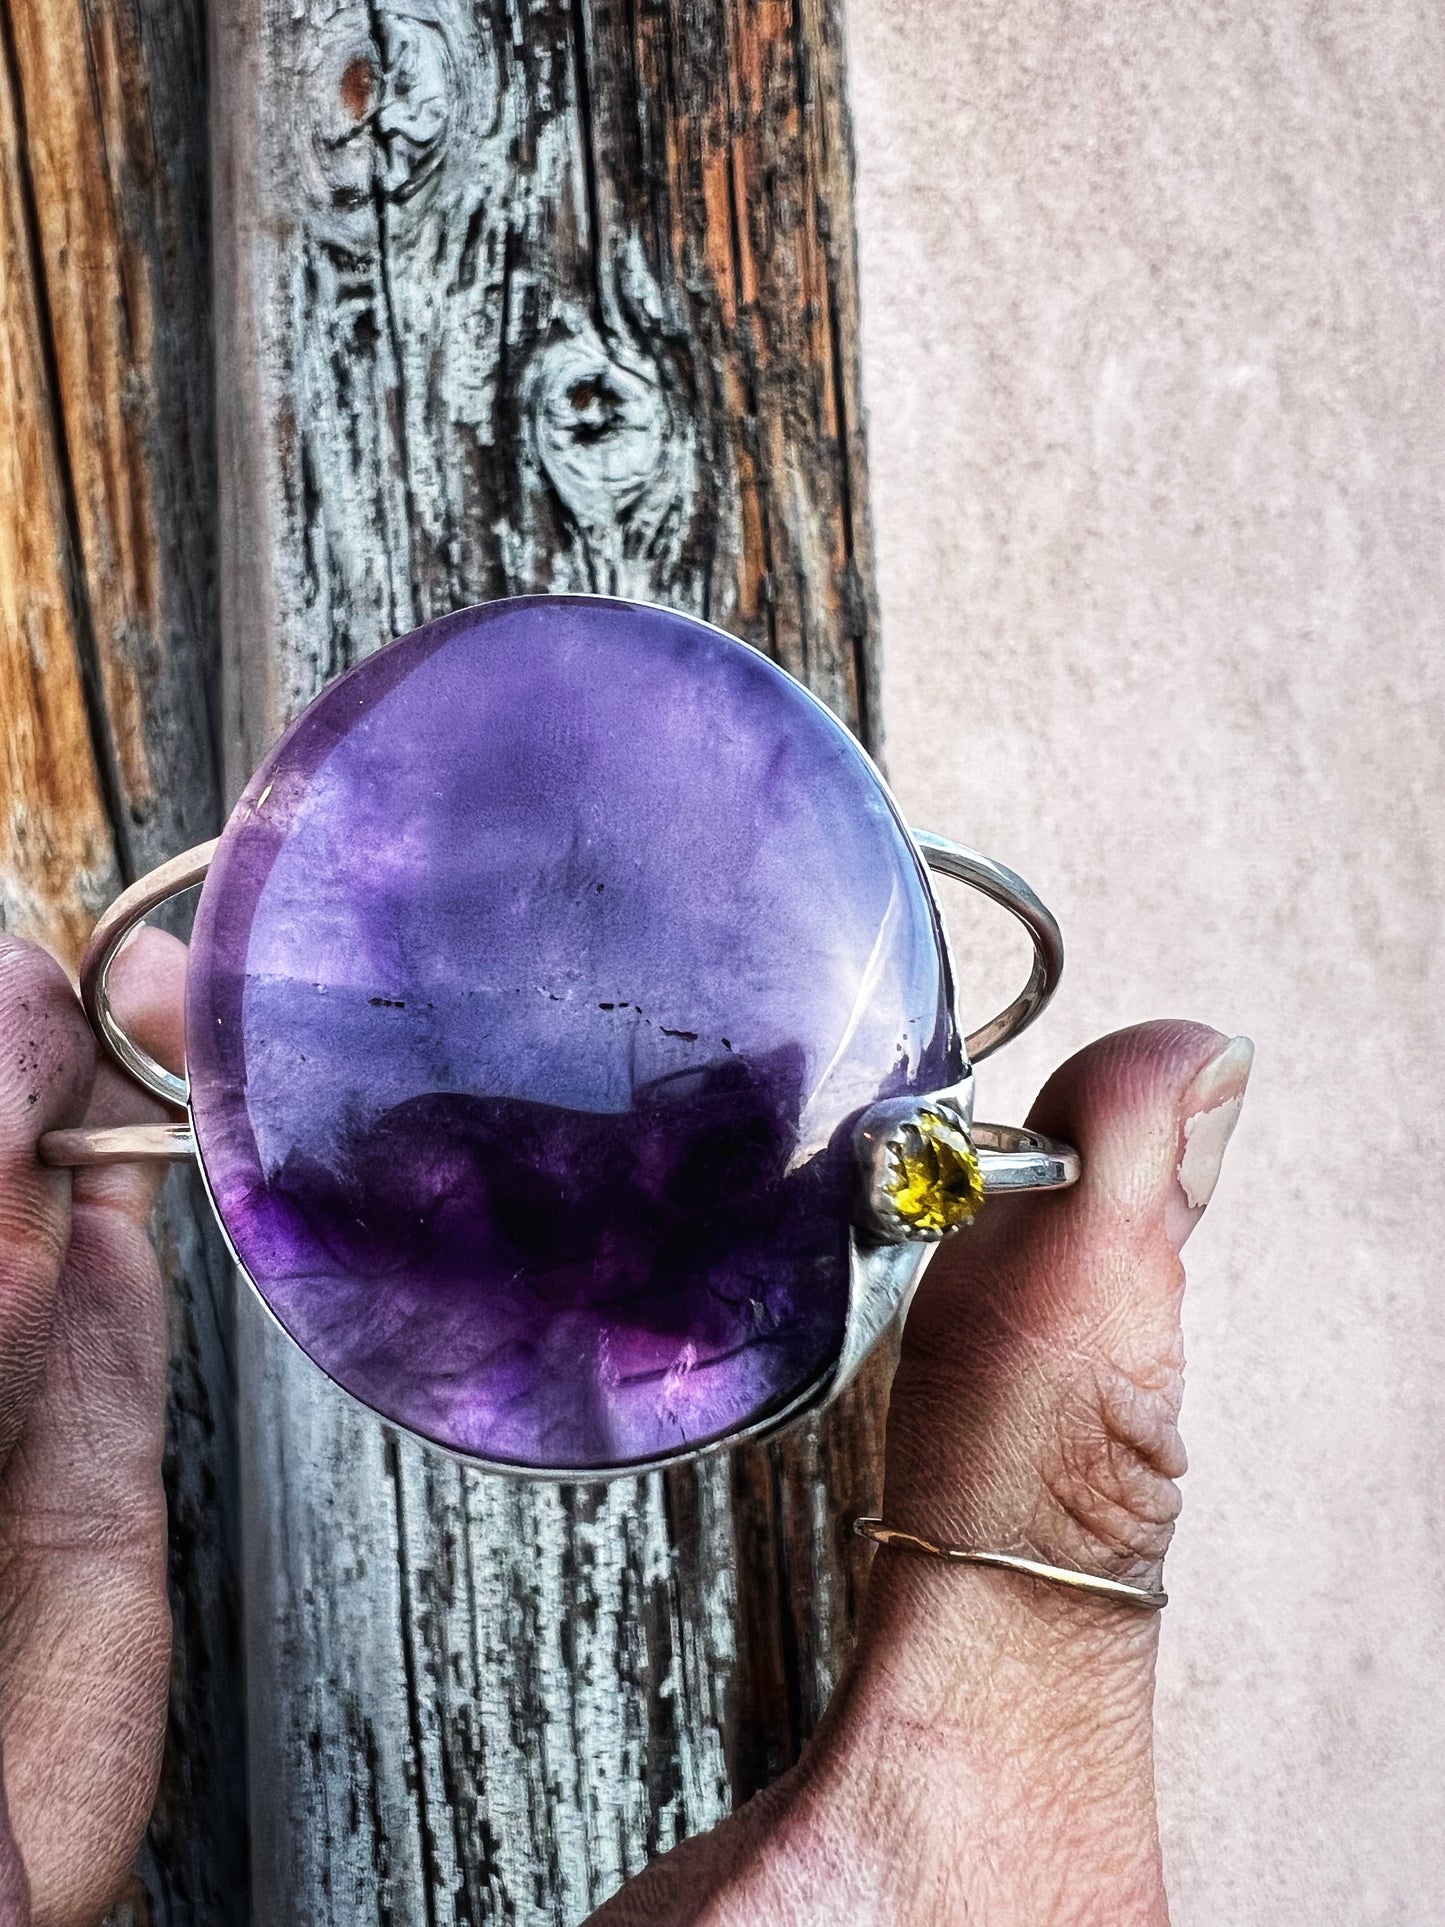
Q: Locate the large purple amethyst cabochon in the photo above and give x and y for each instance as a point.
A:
(540, 977)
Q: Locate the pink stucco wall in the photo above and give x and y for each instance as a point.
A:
(1154, 313)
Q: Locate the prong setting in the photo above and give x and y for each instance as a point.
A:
(921, 1178)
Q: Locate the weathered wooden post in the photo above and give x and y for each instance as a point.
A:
(513, 296)
(108, 664)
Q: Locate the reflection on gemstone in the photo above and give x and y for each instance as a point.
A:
(538, 982)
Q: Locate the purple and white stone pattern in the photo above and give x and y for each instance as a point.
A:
(540, 977)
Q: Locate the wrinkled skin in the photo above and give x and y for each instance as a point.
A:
(988, 1757)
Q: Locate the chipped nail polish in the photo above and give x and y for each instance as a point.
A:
(1208, 1115)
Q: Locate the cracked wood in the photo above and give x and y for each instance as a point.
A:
(107, 680)
(519, 295)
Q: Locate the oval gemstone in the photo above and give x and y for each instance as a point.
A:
(540, 977)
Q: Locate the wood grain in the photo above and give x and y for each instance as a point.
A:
(119, 219)
(58, 857)
(518, 295)
(108, 670)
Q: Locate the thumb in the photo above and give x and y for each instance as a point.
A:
(1037, 1400)
(1036, 1412)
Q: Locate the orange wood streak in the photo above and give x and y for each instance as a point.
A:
(754, 187)
(753, 570)
(753, 32)
(717, 234)
(57, 863)
(86, 118)
(769, 54)
(771, 168)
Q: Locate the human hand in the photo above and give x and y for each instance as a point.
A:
(989, 1753)
(988, 1756)
(85, 1627)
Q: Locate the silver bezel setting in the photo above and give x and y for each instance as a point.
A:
(886, 1257)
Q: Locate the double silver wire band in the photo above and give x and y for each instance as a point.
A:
(1139, 1597)
(1008, 889)
(1010, 1158)
(130, 909)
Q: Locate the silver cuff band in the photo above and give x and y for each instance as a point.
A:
(131, 908)
(1007, 888)
(994, 880)
(1013, 1159)
(1009, 1158)
(1139, 1597)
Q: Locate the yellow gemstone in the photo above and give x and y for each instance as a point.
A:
(933, 1182)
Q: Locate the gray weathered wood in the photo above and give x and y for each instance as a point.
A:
(108, 660)
(512, 295)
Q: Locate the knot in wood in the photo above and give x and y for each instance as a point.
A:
(384, 92)
(602, 428)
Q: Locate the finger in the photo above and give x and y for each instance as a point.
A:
(85, 1651)
(47, 1062)
(1037, 1400)
(1035, 1411)
(84, 1663)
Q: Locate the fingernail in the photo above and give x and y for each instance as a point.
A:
(1208, 1115)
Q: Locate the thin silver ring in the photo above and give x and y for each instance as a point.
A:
(1141, 1598)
